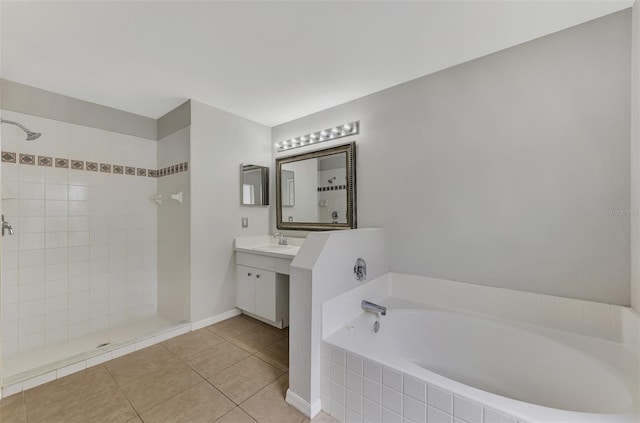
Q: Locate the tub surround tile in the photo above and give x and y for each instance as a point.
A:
(466, 410)
(371, 411)
(372, 371)
(389, 416)
(437, 416)
(353, 401)
(491, 416)
(415, 389)
(440, 399)
(354, 382)
(372, 391)
(414, 410)
(396, 398)
(354, 363)
(338, 374)
(338, 393)
(351, 417)
(392, 400)
(338, 356)
(337, 411)
(392, 379)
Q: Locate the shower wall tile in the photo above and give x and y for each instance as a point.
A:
(84, 254)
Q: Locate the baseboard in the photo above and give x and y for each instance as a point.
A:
(215, 319)
(309, 410)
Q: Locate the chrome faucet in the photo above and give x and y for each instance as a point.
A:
(6, 226)
(375, 308)
(282, 240)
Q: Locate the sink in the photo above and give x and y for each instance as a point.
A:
(273, 247)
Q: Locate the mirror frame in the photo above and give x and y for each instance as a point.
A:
(264, 180)
(350, 150)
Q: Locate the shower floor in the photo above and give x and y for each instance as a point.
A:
(28, 364)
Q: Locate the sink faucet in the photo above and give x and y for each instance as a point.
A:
(282, 240)
(375, 308)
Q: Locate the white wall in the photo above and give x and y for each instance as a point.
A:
(84, 254)
(635, 159)
(174, 231)
(323, 269)
(500, 171)
(220, 143)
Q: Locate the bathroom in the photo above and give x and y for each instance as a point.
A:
(504, 165)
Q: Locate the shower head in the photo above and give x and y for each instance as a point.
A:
(331, 180)
(30, 134)
(33, 135)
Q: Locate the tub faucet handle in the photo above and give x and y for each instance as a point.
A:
(360, 270)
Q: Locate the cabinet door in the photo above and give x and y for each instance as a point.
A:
(265, 285)
(246, 288)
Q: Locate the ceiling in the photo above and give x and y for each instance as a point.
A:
(270, 62)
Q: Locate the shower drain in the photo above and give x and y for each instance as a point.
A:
(103, 345)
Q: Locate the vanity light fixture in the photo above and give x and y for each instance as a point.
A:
(350, 128)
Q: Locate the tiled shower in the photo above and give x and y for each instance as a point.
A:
(81, 269)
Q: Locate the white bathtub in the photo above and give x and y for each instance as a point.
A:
(477, 369)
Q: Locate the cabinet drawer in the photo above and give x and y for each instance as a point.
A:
(256, 260)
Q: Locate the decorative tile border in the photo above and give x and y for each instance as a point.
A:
(332, 188)
(8, 157)
(29, 159)
(177, 168)
(47, 161)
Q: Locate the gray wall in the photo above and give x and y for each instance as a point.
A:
(34, 101)
(174, 231)
(500, 171)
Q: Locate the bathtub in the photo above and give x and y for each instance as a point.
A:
(430, 364)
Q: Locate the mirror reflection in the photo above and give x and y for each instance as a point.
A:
(288, 188)
(313, 189)
(255, 185)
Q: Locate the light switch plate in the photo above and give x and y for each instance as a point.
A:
(245, 222)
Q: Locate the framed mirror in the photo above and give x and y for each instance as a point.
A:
(254, 181)
(317, 190)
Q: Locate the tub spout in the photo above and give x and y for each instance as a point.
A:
(375, 308)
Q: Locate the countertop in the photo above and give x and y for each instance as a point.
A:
(261, 245)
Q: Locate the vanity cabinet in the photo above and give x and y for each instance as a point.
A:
(262, 290)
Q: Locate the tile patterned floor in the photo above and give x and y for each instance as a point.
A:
(233, 371)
